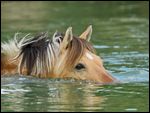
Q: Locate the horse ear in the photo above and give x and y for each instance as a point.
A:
(67, 38)
(86, 35)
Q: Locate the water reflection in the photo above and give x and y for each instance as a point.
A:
(49, 97)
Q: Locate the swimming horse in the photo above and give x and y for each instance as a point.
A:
(63, 56)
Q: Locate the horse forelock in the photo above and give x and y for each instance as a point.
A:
(76, 49)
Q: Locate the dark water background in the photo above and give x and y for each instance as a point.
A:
(120, 36)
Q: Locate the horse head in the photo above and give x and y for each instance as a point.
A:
(77, 59)
(63, 56)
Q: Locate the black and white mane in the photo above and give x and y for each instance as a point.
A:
(37, 54)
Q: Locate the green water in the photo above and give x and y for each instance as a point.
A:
(120, 36)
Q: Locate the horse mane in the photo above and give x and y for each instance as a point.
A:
(9, 48)
(37, 55)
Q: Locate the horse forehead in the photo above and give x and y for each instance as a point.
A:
(92, 57)
(89, 56)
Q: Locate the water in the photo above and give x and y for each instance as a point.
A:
(120, 36)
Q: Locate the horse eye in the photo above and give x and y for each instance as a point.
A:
(79, 66)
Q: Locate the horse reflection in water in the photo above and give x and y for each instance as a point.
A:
(63, 56)
(52, 96)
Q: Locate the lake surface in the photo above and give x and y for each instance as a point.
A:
(120, 36)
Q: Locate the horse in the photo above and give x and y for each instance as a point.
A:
(63, 56)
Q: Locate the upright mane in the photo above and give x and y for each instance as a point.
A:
(37, 55)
